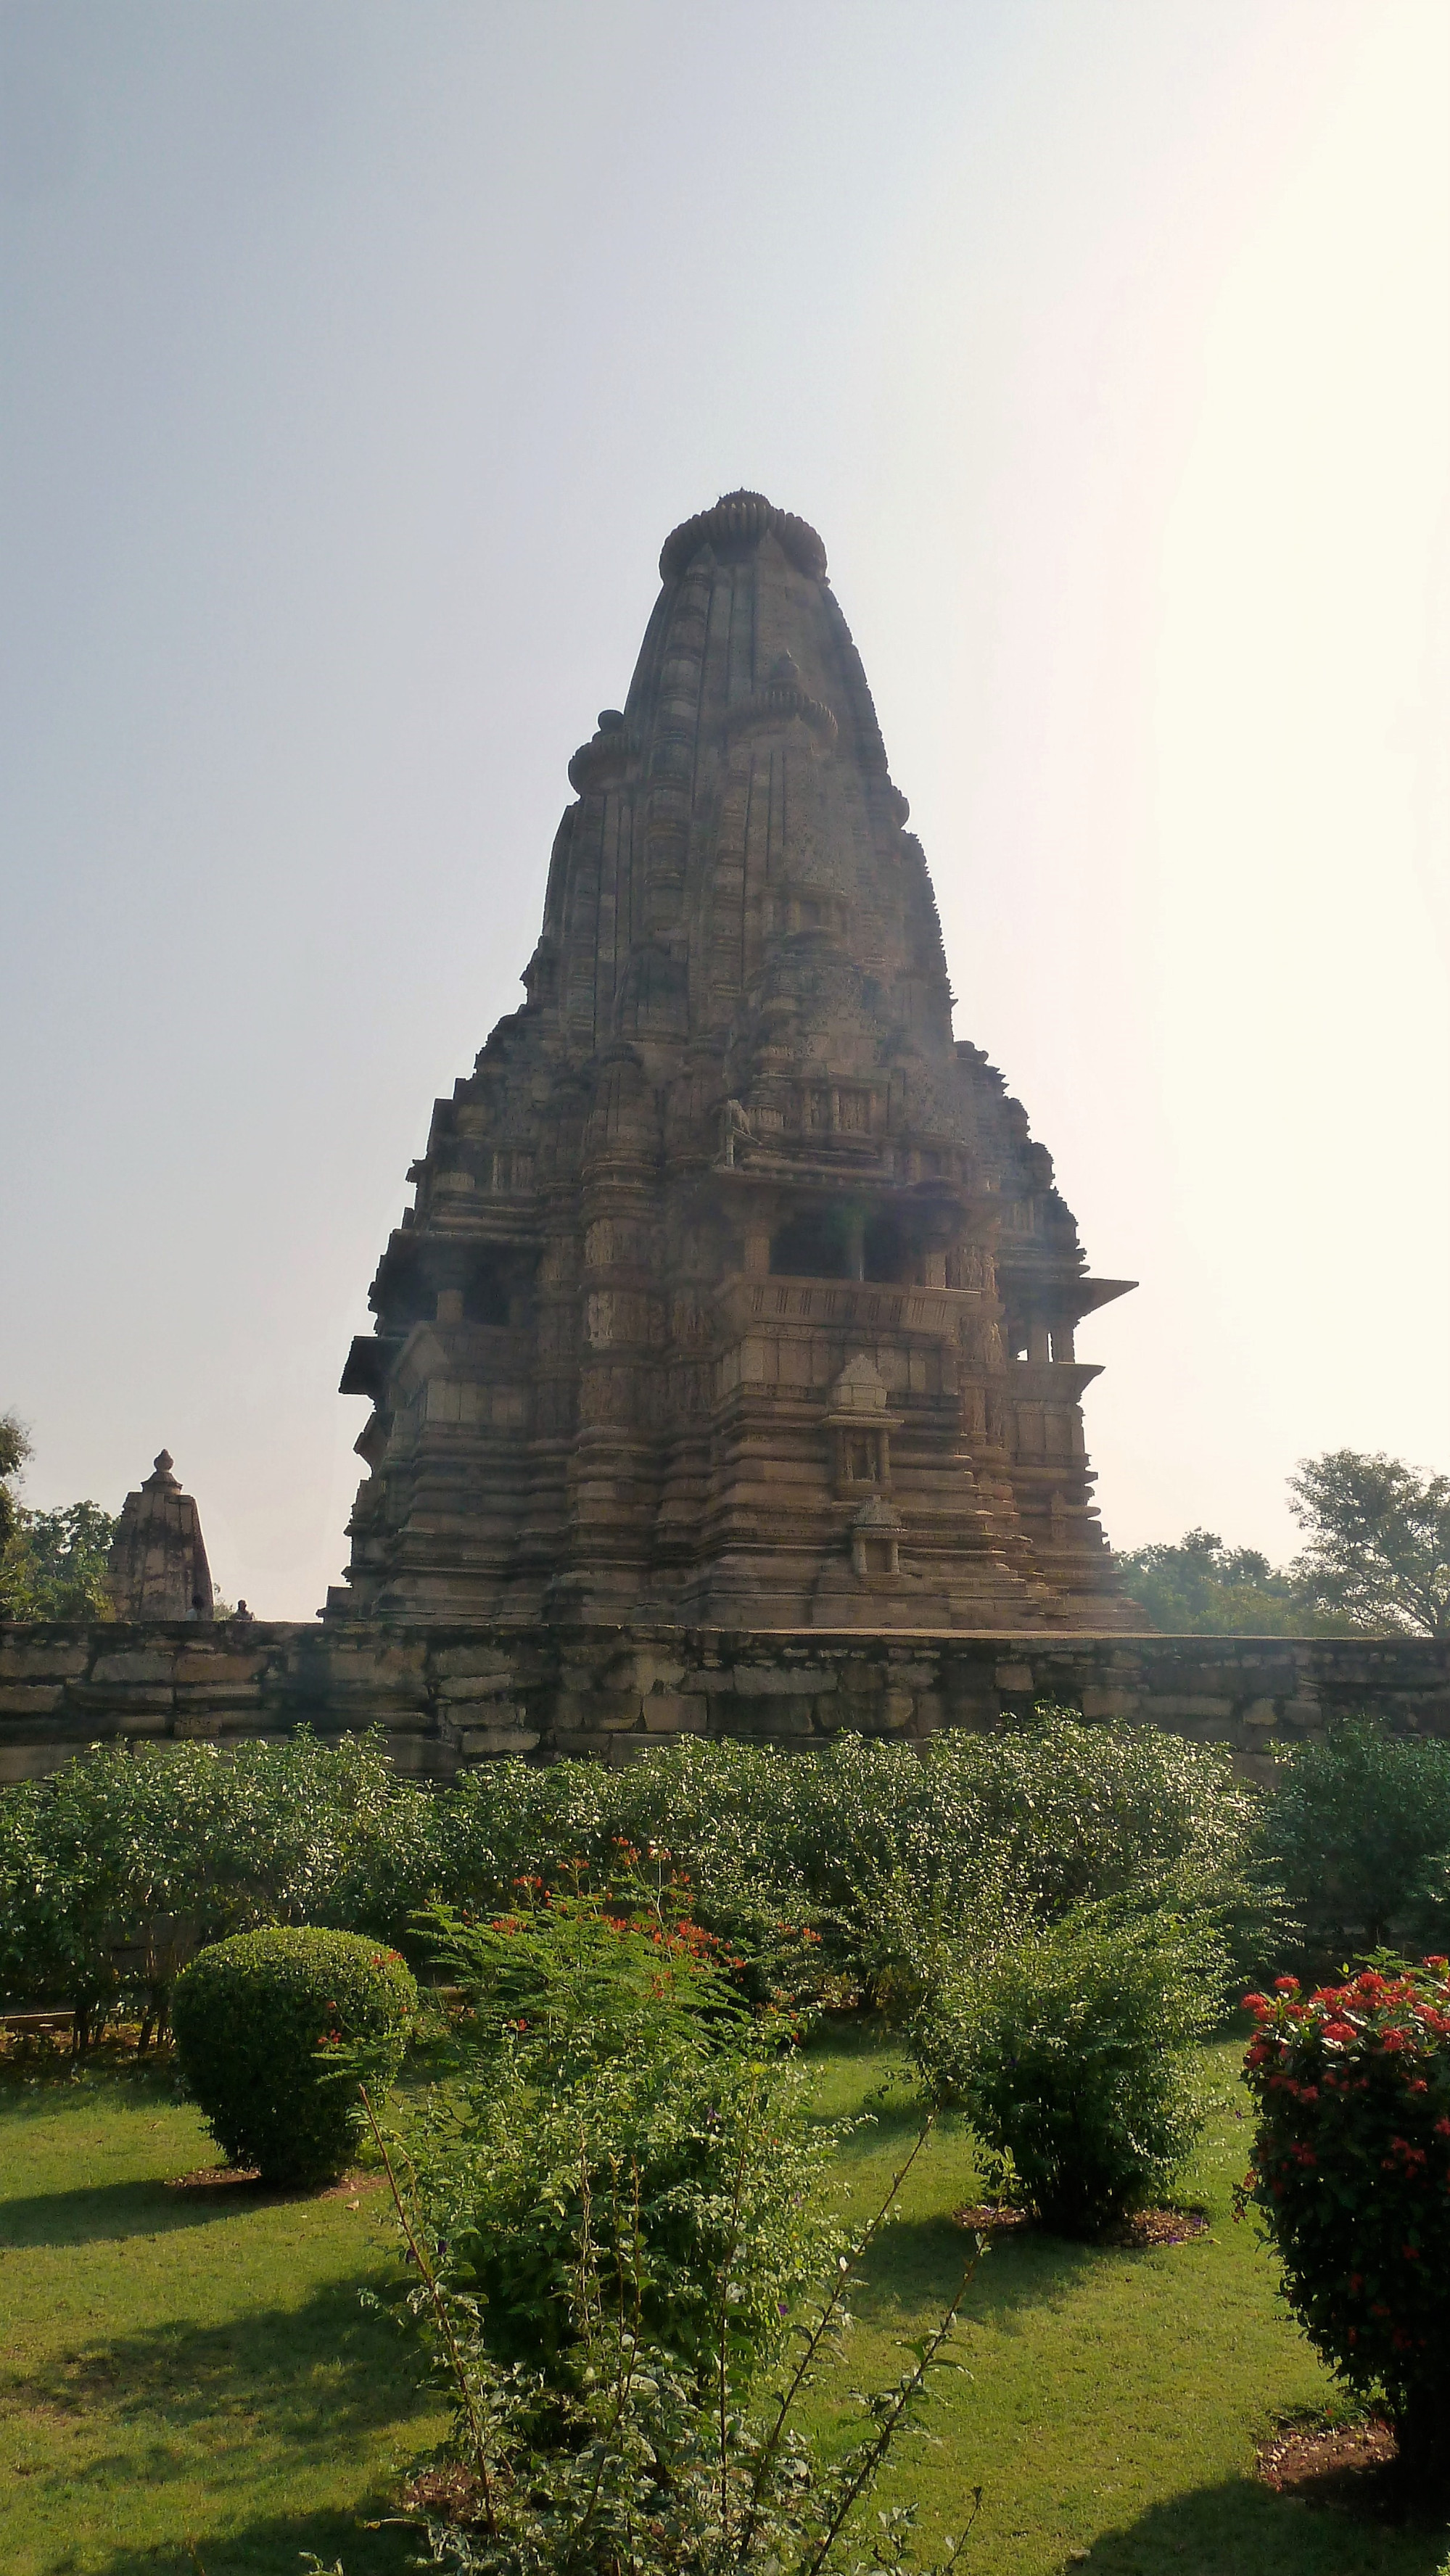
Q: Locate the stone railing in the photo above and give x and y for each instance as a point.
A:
(450, 1697)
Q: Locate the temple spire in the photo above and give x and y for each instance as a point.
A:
(727, 1152)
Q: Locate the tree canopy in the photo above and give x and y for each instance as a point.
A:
(1377, 1561)
(1378, 1552)
(1200, 1587)
(52, 1564)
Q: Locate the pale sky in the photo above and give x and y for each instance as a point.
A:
(358, 355)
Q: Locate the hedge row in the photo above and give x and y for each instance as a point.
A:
(117, 1869)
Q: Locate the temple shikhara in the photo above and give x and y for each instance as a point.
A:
(736, 1293)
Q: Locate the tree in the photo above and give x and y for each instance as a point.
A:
(1202, 1588)
(14, 1450)
(1379, 1542)
(53, 1564)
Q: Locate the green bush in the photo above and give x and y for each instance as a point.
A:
(1357, 1832)
(613, 2101)
(115, 1870)
(255, 2017)
(613, 2220)
(1351, 2173)
(866, 1868)
(1072, 2056)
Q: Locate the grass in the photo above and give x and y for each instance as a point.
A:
(193, 2385)
(185, 2384)
(1110, 2402)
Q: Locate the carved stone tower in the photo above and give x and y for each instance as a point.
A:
(735, 1293)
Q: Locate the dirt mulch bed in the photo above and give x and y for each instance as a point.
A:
(1156, 2227)
(246, 2178)
(448, 2493)
(1354, 2466)
(1146, 2226)
(993, 2218)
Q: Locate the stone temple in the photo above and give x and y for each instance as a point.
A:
(736, 1293)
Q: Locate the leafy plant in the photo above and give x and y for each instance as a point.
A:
(53, 1565)
(612, 2092)
(1357, 1832)
(1072, 2056)
(642, 2228)
(1379, 1542)
(1351, 2176)
(865, 1869)
(15, 1449)
(117, 1868)
(255, 2018)
(1199, 1587)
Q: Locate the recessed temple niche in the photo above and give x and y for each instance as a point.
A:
(736, 1292)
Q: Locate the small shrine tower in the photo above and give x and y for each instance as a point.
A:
(735, 1291)
(158, 1567)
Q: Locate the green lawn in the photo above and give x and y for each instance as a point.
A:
(192, 2383)
(1114, 2399)
(185, 2383)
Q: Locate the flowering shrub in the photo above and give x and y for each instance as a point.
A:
(624, 2268)
(256, 2018)
(613, 2100)
(1352, 2174)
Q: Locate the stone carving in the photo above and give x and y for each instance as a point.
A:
(157, 1567)
(734, 1123)
(616, 1366)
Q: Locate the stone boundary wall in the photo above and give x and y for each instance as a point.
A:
(451, 1697)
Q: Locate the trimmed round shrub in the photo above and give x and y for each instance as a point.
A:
(1073, 2056)
(256, 2019)
(1351, 2174)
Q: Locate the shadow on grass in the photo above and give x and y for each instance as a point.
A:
(916, 2265)
(100, 2213)
(1243, 2529)
(310, 2381)
(275, 2547)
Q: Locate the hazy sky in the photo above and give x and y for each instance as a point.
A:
(358, 355)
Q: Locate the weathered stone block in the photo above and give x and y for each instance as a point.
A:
(735, 1716)
(477, 1741)
(470, 1686)
(1301, 1716)
(463, 1713)
(780, 1681)
(29, 1699)
(1014, 1677)
(360, 1668)
(197, 1666)
(670, 1713)
(111, 1708)
(1098, 1702)
(1162, 1708)
(134, 1664)
(644, 1670)
(472, 1660)
(220, 1695)
(28, 1659)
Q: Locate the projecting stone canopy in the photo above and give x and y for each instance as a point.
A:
(725, 1177)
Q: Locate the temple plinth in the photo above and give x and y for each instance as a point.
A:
(735, 1292)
